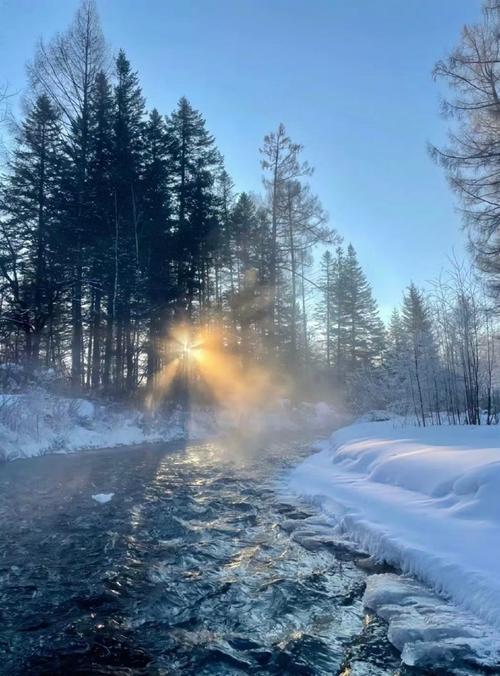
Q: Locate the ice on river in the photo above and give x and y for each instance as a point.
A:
(426, 629)
(102, 498)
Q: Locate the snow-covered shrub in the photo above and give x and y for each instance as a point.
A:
(376, 416)
(56, 444)
(22, 413)
(84, 409)
(13, 377)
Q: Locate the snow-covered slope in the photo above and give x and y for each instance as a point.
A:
(37, 422)
(424, 499)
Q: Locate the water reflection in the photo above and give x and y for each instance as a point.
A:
(195, 567)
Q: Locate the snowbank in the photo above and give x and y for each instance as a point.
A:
(424, 499)
(427, 630)
(38, 422)
(35, 421)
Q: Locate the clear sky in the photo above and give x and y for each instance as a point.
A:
(351, 80)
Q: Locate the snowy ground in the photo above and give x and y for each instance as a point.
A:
(36, 422)
(424, 499)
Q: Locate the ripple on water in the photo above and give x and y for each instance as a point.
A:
(196, 566)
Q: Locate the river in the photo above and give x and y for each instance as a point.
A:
(196, 565)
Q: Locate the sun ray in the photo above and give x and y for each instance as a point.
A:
(163, 384)
(203, 362)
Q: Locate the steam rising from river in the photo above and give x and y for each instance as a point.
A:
(203, 363)
(251, 397)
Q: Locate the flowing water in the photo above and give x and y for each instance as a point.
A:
(195, 566)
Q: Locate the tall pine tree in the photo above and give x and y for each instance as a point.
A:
(31, 259)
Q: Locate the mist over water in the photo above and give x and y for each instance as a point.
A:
(223, 392)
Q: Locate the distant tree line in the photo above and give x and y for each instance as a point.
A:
(466, 324)
(441, 364)
(117, 222)
(437, 361)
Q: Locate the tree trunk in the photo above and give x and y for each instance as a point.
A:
(96, 341)
(76, 323)
(108, 343)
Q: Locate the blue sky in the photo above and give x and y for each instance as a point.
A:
(351, 80)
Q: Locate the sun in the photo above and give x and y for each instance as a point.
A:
(201, 358)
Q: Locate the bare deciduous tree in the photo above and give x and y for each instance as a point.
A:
(4, 103)
(472, 155)
(66, 70)
(281, 160)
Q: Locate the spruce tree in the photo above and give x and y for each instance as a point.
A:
(128, 157)
(353, 333)
(100, 251)
(324, 310)
(31, 259)
(156, 244)
(364, 328)
(338, 315)
(421, 349)
(223, 241)
(195, 161)
(247, 299)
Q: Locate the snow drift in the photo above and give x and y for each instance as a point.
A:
(424, 499)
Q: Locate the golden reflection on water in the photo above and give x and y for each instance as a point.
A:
(243, 556)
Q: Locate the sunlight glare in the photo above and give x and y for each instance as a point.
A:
(203, 358)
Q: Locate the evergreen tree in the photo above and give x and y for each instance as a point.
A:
(338, 315)
(100, 253)
(396, 364)
(128, 157)
(421, 349)
(225, 246)
(352, 331)
(324, 311)
(133, 224)
(364, 336)
(31, 260)
(66, 71)
(244, 234)
(249, 298)
(156, 241)
(195, 161)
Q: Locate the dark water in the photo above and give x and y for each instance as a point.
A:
(196, 566)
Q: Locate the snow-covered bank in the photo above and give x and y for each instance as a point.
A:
(424, 499)
(37, 422)
(429, 631)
